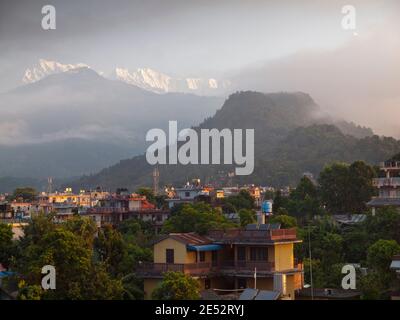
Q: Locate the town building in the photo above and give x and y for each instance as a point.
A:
(118, 207)
(388, 185)
(188, 194)
(225, 261)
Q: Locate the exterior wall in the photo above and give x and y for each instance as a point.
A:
(290, 286)
(262, 283)
(191, 257)
(298, 280)
(134, 205)
(192, 194)
(180, 255)
(284, 258)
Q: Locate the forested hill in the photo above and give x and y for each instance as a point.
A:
(291, 137)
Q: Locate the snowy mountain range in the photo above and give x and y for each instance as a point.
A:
(145, 78)
(46, 67)
(77, 122)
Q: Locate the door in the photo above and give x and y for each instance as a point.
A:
(241, 253)
(170, 255)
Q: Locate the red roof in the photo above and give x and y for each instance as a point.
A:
(190, 238)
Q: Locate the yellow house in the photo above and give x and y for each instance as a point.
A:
(229, 261)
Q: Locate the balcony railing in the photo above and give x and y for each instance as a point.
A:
(386, 182)
(160, 268)
(107, 210)
(202, 268)
(249, 266)
(390, 165)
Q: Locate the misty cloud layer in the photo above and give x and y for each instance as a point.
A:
(259, 45)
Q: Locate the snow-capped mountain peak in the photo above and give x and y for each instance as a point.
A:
(145, 78)
(47, 67)
(155, 81)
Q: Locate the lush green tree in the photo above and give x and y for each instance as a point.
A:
(137, 231)
(379, 280)
(198, 217)
(137, 236)
(83, 227)
(148, 193)
(247, 216)
(29, 292)
(177, 286)
(64, 246)
(318, 276)
(111, 249)
(303, 201)
(27, 193)
(279, 202)
(243, 200)
(333, 276)
(132, 287)
(355, 244)
(282, 212)
(346, 189)
(335, 187)
(384, 225)
(360, 175)
(6, 244)
(326, 249)
(372, 287)
(330, 249)
(285, 221)
(305, 188)
(37, 229)
(380, 254)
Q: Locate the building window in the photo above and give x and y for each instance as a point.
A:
(241, 253)
(170, 255)
(202, 256)
(242, 284)
(258, 254)
(187, 194)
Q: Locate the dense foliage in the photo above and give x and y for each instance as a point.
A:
(89, 263)
(198, 217)
(177, 286)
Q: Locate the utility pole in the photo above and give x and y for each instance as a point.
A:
(255, 277)
(49, 185)
(309, 253)
(156, 180)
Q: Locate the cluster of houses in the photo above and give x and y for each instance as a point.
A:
(252, 263)
(113, 207)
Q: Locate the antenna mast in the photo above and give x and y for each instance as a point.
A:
(156, 180)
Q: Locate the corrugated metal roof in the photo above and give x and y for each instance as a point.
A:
(349, 219)
(377, 202)
(267, 295)
(255, 294)
(248, 294)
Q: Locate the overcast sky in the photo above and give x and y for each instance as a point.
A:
(188, 37)
(217, 38)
